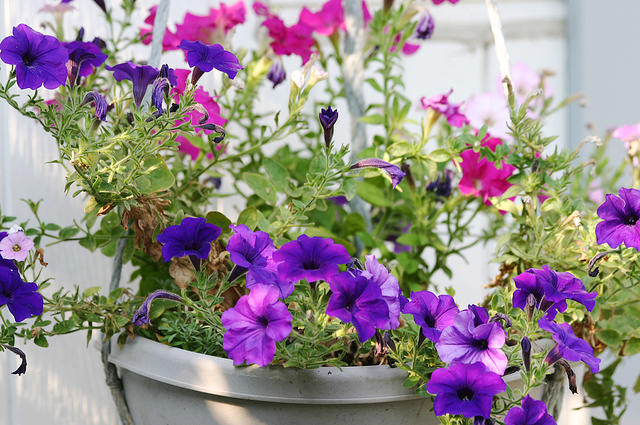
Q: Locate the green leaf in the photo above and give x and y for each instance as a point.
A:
(91, 291)
(219, 219)
(353, 223)
(373, 119)
(632, 347)
(372, 194)
(636, 386)
(261, 186)
(609, 337)
(249, 217)
(158, 177)
(68, 232)
(277, 172)
(400, 148)
(440, 155)
(41, 341)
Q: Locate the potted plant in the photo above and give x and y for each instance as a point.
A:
(322, 282)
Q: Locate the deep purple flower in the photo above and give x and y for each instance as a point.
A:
(424, 30)
(620, 216)
(22, 298)
(357, 300)
(526, 353)
(141, 316)
(140, 76)
(311, 258)
(433, 313)
(464, 389)
(328, 118)
(206, 57)
(388, 284)
(394, 171)
(340, 201)
(193, 236)
(551, 290)
(441, 186)
(39, 59)
(466, 342)
(84, 57)
(568, 346)
(100, 104)
(532, 412)
(277, 74)
(254, 325)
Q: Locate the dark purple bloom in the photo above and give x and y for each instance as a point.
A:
(464, 389)
(100, 103)
(328, 118)
(254, 325)
(568, 346)
(620, 216)
(39, 59)
(388, 284)
(394, 171)
(532, 412)
(357, 300)
(425, 27)
(193, 236)
(84, 57)
(468, 342)
(311, 258)
(141, 316)
(277, 74)
(340, 201)
(442, 185)
(551, 290)
(526, 353)
(140, 76)
(206, 57)
(160, 89)
(22, 298)
(433, 313)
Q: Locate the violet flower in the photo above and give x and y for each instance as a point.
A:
(328, 118)
(620, 216)
(357, 300)
(388, 284)
(254, 325)
(193, 237)
(100, 104)
(84, 57)
(15, 246)
(441, 186)
(568, 345)
(431, 312)
(451, 111)
(203, 58)
(141, 316)
(311, 258)
(40, 59)
(394, 171)
(424, 30)
(466, 342)
(551, 290)
(532, 412)
(140, 76)
(464, 389)
(277, 74)
(22, 298)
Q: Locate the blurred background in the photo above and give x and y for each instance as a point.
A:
(591, 46)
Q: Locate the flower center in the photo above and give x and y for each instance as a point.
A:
(29, 58)
(16, 248)
(481, 344)
(263, 321)
(630, 220)
(465, 393)
(310, 265)
(430, 321)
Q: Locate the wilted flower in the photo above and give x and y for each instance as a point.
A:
(15, 246)
(311, 258)
(40, 59)
(193, 237)
(431, 312)
(254, 325)
(84, 57)
(141, 316)
(22, 369)
(620, 216)
(100, 104)
(393, 171)
(532, 412)
(22, 298)
(425, 27)
(568, 345)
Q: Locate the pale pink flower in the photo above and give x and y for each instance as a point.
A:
(488, 109)
(630, 135)
(15, 246)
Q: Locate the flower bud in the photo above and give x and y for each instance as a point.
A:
(526, 353)
(571, 376)
(277, 73)
(424, 30)
(328, 118)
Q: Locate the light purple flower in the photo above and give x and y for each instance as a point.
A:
(488, 109)
(141, 316)
(15, 246)
(620, 216)
(311, 258)
(393, 171)
(424, 30)
(468, 342)
(388, 284)
(433, 313)
(532, 412)
(254, 325)
(568, 346)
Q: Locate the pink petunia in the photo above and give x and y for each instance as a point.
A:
(440, 103)
(15, 246)
(327, 20)
(488, 109)
(630, 135)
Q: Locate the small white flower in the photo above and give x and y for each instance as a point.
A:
(15, 229)
(297, 78)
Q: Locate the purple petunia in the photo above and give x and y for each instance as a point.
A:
(464, 389)
(140, 76)
(551, 290)
(424, 30)
(620, 216)
(100, 104)
(254, 325)
(532, 412)
(22, 298)
(388, 284)
(40, 59)
(253, 251)
(469, 340)
(357, 300)
(193, 237)
(277, 74)
(141, 316)
(311, 258)
(393, 171)
(206, 57)
(328, 118)
(441, 186)
(433, 313)
(568, 345)
(84, 57)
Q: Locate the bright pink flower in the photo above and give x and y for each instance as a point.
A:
(407, 48)
(480, 177)
(294, 40)
(488, 109)
(440, 103)
(366, 15)
(327, 20)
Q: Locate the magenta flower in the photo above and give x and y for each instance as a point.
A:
(141, 316)
(327, 20)
(480, 177)
(488, 109)
(193, 237)
(551, 290)
(15, 246)
(388, 284)
(451, 111)
(308, 258)
(357, 300)
(254, 325)
(433, 313)
(568, 345)
(620, 216)
(393, 171)
(206, 57)
(464, 389)
(532, 412)
(40, 59)
(22, 298)
(466, 341)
